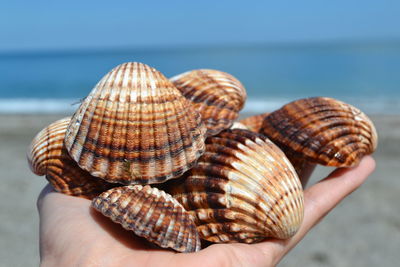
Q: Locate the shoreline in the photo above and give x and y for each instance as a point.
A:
(254, 105)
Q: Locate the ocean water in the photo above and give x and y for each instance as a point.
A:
(365, 75)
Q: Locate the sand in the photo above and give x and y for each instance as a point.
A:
(364, 230)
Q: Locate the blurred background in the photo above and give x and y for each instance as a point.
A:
(52, 54)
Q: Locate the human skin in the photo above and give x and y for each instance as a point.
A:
(74, 234)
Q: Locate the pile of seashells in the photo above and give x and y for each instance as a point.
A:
(160, 156)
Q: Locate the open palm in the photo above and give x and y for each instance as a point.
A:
(74, 234)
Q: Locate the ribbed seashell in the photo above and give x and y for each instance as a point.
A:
(135, 127)
(322, 130)
(152, 214)
(254, 123)
(217, 95)
(47, 156)
(243, 189)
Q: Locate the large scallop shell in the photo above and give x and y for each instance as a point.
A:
(254, 123)
(243, 189)
(47, 156)
(217, 95)
(152, 214)
(322, 130)
(135, 127)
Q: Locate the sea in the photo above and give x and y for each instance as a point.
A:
(366, 75)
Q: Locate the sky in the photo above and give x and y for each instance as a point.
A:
(86, 24)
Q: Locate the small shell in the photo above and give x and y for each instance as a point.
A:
(254, 123)
(152, 214)
(217, 95)
(323, 130)
(243, 189)
(47, 156)
(135, 127)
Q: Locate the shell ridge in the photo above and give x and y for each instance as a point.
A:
(146, 219)
(72, 133)
(213, 93)
(59, 168)
(163, 237)
(295, 125)
(330, 125)
(235, 216)
(179, 236)
(124, 74)
(261, 183)
(142, 87)
(128, 114)
(290, 173)
(297, 111)
(97, 93)
(270, 183)
(327, 123)
(153, 136)
(281, 184)
(111, 131)
(312, 137)
(140, 210)
(37, 159)
(344, 139)
(327, 120)
(216, 170)
(189, 130)
(178, 141)
(359, 151)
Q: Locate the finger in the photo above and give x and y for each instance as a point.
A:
(322, 198)
(45, 191)
(50, 201)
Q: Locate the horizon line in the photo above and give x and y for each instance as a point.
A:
(189, 47)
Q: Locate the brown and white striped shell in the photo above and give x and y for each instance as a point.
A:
(217, 95)
(135, 127)
(152, 214)
(322, 130)
(47, 156)
(243, 189)
(254, 123)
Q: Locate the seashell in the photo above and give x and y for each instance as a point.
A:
(152, 214)
(303, 167)
(135, 127)
(47, 156)
(254, 123)
(217, 95)
(322, 130)
(238, 125)
(243, 189)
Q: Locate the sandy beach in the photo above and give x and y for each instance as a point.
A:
(364, 230)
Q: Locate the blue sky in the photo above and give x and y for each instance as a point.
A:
(44, 25)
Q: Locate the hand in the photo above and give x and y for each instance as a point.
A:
(73, 234)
